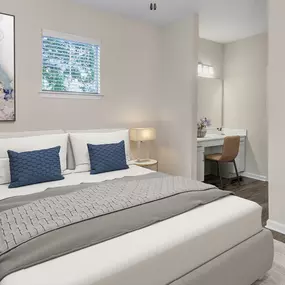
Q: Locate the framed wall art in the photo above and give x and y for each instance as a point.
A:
(7, 68)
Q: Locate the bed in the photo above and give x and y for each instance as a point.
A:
(221, 243)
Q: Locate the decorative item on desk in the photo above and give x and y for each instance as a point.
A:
(202, 127)
(140, 135)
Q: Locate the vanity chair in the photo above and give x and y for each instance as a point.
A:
(228, 155)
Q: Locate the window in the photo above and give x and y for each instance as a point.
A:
(70, 64)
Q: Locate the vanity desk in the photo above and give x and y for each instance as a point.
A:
(213, 143)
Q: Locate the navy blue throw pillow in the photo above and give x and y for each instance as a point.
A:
(32, 167)
(107, 157)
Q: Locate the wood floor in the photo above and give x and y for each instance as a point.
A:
(253, 190)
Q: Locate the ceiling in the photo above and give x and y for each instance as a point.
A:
(220, 20)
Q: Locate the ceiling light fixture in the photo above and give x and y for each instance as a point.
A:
(153, 6)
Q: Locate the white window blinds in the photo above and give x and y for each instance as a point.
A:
(69, 65)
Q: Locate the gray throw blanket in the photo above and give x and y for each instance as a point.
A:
(75, 217)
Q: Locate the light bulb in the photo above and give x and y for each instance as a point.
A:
(200, 68)
(211, 70)
(205, 69)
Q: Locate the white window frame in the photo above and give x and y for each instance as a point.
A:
(67, 95)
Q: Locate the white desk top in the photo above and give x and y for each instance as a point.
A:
(212, 136)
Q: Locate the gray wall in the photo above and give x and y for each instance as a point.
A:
(134, 57)
(245, 67)
(276, 104)
(129, 61)
(212, 53)
(178, 106)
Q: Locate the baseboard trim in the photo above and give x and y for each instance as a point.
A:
(275, 226)
(254, 176)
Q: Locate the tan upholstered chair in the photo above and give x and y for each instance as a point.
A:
(229, 154)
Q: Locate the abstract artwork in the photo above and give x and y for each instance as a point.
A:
(7, 67)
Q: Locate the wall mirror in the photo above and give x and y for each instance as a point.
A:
(210, 100)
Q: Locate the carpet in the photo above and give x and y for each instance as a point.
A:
(276, 276)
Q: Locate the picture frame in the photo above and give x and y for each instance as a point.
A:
(7, 68)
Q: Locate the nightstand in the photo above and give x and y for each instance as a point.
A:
(150, 163)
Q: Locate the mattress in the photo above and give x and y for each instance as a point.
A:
(155, 255)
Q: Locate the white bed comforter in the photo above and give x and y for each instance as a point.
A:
(155, 255)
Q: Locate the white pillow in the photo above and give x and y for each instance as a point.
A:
(79, 143)
(5, 176)
(21, 144)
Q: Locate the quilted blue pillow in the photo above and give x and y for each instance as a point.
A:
(107, 157)
(34, 167)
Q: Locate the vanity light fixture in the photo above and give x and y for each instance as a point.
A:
(211, 70)
(200, 68)
(205, 70)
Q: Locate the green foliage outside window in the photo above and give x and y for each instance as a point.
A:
(70, 66)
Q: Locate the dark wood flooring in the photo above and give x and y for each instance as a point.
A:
(250, 189)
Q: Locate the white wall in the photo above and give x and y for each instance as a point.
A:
(144, 81)
(212, 53)
(178, 105)
(130, 64)
(276, 107)
(245, 65)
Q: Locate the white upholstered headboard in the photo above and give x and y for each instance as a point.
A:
(70, 156)
(30, 134)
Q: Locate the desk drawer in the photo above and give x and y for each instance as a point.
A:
(211, 143)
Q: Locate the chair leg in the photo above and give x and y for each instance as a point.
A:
(219, 174)
(234, 162)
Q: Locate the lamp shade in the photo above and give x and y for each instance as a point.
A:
(142, 134)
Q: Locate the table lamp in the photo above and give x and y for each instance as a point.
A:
(140, 135)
